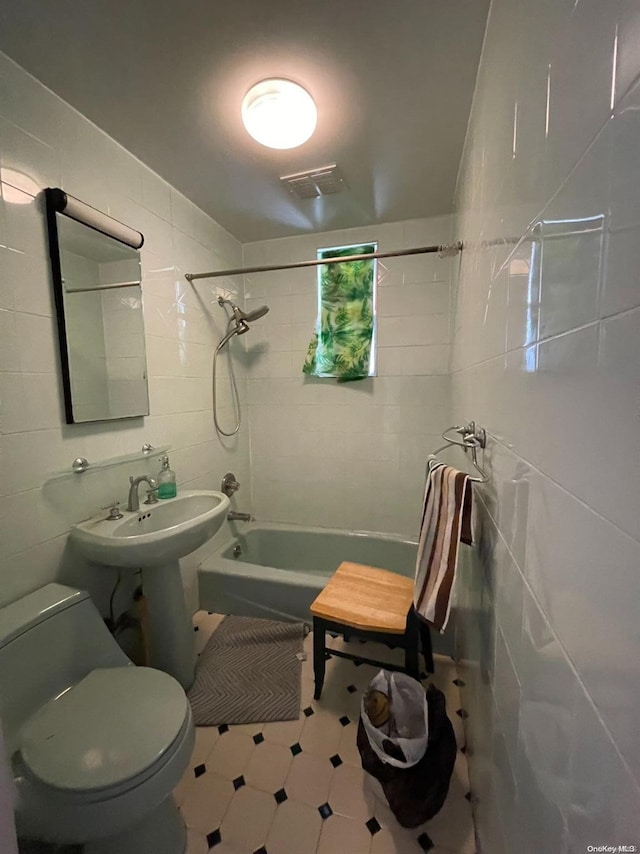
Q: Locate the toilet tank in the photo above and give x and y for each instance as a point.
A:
(49, 640)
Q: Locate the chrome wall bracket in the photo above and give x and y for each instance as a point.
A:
(473, 438)
(473, 432)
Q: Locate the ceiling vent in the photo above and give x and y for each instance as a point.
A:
(315, 182)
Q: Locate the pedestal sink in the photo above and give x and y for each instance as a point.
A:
(153, 539)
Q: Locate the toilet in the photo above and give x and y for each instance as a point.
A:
(96, 744)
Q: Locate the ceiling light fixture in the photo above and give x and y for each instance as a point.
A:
(279, 113)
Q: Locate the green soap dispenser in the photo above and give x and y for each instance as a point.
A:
(166, 480)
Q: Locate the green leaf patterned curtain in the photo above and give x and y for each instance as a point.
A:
(341, 344)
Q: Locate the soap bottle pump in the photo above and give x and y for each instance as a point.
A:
(166, 480)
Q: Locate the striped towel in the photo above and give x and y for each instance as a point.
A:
(446, 520)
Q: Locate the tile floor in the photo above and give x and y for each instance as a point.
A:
(298, 787)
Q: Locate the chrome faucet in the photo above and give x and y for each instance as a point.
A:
(233, 516)
(133, 504)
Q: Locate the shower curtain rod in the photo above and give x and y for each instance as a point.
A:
(445, 250)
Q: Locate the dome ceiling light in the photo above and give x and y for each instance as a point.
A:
(279, 113)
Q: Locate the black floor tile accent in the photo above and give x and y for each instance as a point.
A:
(262, 850)
(459, 683)
(335, 760)
(468, 796)
(295, 749)
(463, 749)
(424, 841)
(223, 728)
(373, 826)
(351, 689)
(258, 738)
(325, 811)
(462, 713)
(199, 770)
(327, 654)
(345, 721)
(308, 712)
(239, 782)
(214, 838)
(196, 628)
(357, 662)
(280, 796)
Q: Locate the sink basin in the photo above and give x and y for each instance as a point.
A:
(156, 534)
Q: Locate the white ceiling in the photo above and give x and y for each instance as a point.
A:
(393, 81)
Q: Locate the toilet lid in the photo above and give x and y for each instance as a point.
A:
(113, 725)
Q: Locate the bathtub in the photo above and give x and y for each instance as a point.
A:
(280, 569)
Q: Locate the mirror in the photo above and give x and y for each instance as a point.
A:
(97, 283)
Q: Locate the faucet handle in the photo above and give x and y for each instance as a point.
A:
(114, 513)
(229, 484)
(152, 496)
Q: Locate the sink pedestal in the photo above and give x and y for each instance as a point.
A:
(171, 643)
(155, 539)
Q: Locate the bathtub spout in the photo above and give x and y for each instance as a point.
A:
(232, 516)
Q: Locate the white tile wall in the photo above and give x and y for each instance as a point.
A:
(348, 455)
(47, 141)
(546, 356)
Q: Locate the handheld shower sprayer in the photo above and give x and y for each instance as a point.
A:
(238, 324)
(239, 314)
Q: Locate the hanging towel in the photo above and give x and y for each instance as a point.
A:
(446, 520)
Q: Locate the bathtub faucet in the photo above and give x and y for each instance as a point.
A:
(232, 516)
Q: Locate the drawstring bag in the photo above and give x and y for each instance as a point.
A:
(415, 790)
(402, 740)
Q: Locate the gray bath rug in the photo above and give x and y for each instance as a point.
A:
(248, 672)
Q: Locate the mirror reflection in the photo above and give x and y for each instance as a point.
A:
(101, 295)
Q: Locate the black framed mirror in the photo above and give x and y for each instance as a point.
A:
(95, 262)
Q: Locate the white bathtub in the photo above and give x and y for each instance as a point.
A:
(282, 568)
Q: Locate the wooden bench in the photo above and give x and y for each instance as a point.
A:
(372, 603)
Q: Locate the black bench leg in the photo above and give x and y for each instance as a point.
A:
(411, 638)
(319, 661)
(427, 651)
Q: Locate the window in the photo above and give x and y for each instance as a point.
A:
(343, 345)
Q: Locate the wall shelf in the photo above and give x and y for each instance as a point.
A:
(81, 465)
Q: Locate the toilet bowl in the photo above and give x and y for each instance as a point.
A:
(96, 744)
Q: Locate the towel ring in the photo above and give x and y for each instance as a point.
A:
(473, 437)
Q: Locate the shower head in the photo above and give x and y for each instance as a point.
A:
(245, 316)
(257, 313)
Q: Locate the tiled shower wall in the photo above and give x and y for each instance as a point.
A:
(547, 358)
(49, 143)
(348, 455)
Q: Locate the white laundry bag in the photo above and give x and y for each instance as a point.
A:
(408, 726)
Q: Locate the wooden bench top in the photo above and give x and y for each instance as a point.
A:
(366, 597)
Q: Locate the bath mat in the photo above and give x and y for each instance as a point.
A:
(248, 672)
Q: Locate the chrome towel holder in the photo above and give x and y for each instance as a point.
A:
(473, 437)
